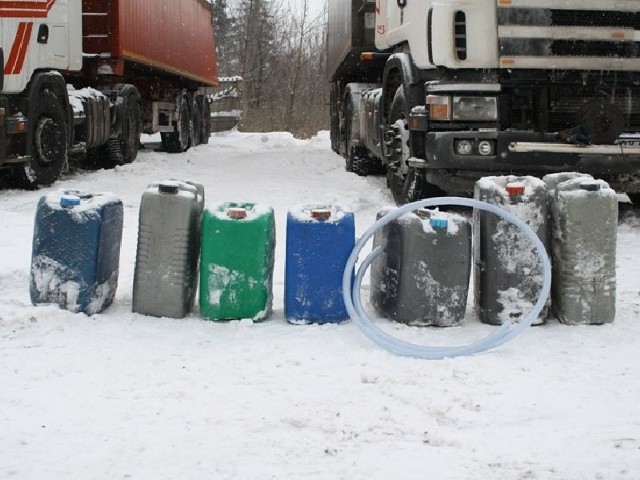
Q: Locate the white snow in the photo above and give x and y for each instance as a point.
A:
(120, 395)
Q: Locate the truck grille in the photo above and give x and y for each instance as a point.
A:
(553, 108)
(534, 34)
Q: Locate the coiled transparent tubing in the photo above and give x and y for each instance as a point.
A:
(502, 334)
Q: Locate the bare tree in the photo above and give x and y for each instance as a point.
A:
(280, 55)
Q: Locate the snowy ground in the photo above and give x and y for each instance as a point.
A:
(121, 395)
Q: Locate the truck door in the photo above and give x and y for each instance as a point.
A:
(35, 35)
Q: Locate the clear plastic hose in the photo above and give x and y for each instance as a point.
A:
(502, 334)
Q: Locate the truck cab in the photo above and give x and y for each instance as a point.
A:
(471, 88)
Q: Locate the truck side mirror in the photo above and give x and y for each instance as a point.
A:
(402, 3)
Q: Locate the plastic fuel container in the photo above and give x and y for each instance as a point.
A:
(422, 276)
(319, 241)
(585, 216)
(76, 250)
(236, 261)
(508, 273)
(166, 272)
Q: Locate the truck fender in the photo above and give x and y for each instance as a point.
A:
(400, 71)
(54, 82)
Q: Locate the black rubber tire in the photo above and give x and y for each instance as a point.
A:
(334, 119)
(348, 114)
(360, 161)
(196, 122)
(206, 121)
(131, 129)
(49, 151)
(178, 141)
(413, 185)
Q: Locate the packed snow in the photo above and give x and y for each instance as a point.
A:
(120, 395)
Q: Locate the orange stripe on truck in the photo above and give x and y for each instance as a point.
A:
(15, 61)
(29, 9)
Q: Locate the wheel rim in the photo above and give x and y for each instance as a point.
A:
(401, 150)
(48, 141)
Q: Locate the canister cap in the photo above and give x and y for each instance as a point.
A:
(439, 222)
(68, 201)
(590, 186)
(321, 213)
(237, 213)
(515, 188)
(168, 188)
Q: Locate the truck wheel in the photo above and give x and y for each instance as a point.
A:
(131, 130)
(335, 119)
(49, 146)
(206, 121)
(196, 122)
(360, 161)
(348, 115)
(178, 140)
(407, 184)
(124, 148)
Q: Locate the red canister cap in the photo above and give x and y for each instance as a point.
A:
(321, 213)
(237, 213)
(515, 188)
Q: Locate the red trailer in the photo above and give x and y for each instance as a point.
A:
(83, 79)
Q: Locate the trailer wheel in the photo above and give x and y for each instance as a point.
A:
(49, 146)
(206, 121)
(407, 184)
(196, 122)
(178, 140)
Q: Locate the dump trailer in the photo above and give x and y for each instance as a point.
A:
(440, 93)
(82, 79)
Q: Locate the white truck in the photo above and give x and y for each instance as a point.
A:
(82, 79)
(442, 92)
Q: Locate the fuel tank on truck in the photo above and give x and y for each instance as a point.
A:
(167, 36)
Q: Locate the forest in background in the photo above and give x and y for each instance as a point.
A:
(280, 54)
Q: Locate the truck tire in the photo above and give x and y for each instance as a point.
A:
(407, 184)
(335, 119)
(196, 122)
(124, 148)
(49, 144)
(178, 140)
(348, 116)
(357, 159)
(206, 121)
(131, 129)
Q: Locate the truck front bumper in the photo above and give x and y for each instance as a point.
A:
(529, 153)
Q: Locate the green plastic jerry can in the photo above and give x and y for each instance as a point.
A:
(236, 261)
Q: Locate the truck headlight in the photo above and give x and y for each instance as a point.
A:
(474, 108)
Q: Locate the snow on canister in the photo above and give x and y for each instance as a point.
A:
(236, 261)
(166, 272)
(76, 250)
(508, 272)
(319, 241)
(584, 235)
(422, 275)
